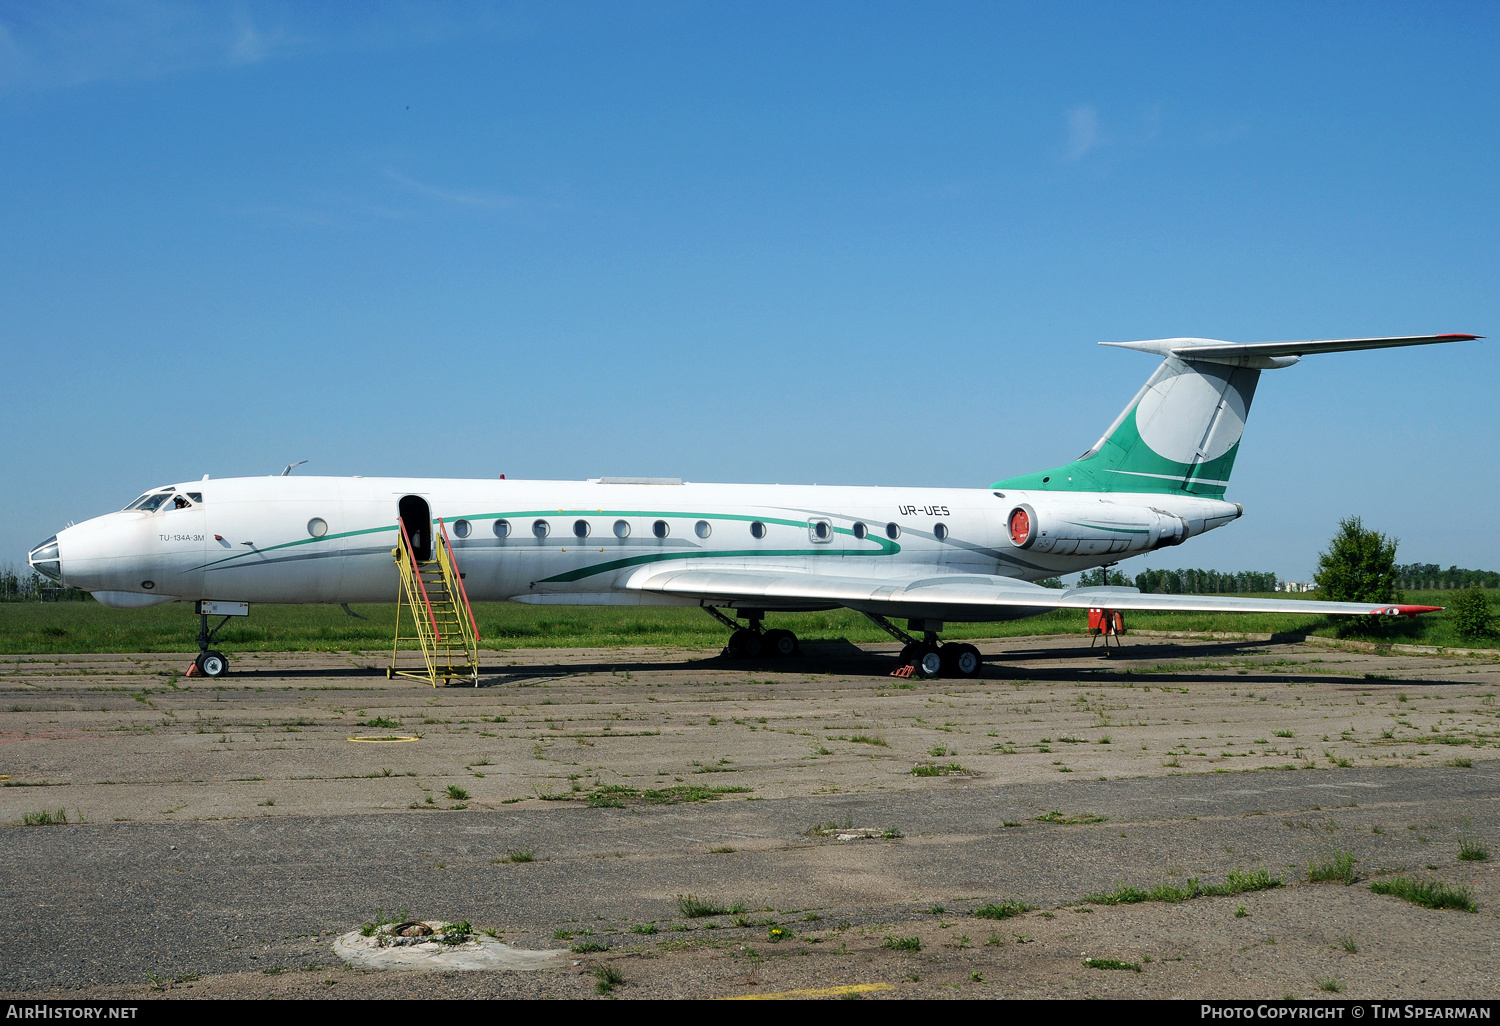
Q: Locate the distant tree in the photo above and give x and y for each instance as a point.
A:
(1051, 582)
(1359, 566)
(1203, 582)
(1471, 614)
(1101, 577)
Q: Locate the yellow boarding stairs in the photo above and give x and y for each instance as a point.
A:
(433, 590)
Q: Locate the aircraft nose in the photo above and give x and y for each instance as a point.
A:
(45, 560)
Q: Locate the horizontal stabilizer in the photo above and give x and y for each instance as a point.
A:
(1262, 353)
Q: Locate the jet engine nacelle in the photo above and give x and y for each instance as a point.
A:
(1093, 529)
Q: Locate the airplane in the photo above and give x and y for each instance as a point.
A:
(932, 556)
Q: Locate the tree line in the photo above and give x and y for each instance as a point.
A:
(1430, 576)
(1204, 582)
(30, 586)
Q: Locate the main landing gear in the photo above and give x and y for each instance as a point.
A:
(752, 642)
(927, 658)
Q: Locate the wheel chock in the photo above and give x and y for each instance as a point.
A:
(904, 671)
(192, 670)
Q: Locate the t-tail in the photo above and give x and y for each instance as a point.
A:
(1181, 433)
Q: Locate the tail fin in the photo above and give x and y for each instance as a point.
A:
(1181, 432)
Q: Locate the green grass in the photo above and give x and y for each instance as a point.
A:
(1002, 910)
(1235, 882)
(44, 817)
(1112, 963)
(1336, 868)
(1428, 893)
(1469, 848)
(588, 947)
(607, 978)
(1055, 816)
(902, 943)
(58, 627)
(690, 906)
(928, 769)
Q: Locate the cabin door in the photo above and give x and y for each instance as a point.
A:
(417, 517)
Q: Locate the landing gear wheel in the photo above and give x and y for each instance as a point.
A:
(908, 656)
(961, 661)
(927, 660)
(781, 643)
(212, 664)
(745, 644)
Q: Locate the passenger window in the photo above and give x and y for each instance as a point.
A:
(660, 529)
(703, 529)
(622, 529)
(461, 528)
(860, 530)
(541, 528)
(757, 529)
(940, 531)
(580, 528)
(502, 528)
(820, 530)
(892, 531)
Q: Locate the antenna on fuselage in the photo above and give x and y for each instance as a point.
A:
(288, 471)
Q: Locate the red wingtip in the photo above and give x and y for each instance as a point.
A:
(1410, 610)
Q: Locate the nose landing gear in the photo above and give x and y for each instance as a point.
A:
(211, 662)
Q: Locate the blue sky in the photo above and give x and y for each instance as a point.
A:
(833, 243)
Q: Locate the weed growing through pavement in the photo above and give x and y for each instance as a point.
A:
(1057, 817)
(1469, 849)
(1347, 943)
(1112, 963)
(902, 943)
(928, 769)
(1428, 893)
(1235, 882)
(1002, 910)
(607, 978)
(44, 817)
(1336, 868)
(690, 906)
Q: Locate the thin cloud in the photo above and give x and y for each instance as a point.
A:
(64, 46)
(253, 45)
(482, 199)
(1083, 131)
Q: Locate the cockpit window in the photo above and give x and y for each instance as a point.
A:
(178, 502)
(150, 502)
(195, 496)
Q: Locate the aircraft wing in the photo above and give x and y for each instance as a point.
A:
(958, 596)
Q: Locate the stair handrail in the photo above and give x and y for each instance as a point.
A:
(462, 591)
(417, 573)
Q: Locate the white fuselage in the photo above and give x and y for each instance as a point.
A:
(330, 540)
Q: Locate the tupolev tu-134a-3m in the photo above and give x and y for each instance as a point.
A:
(931, 556)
